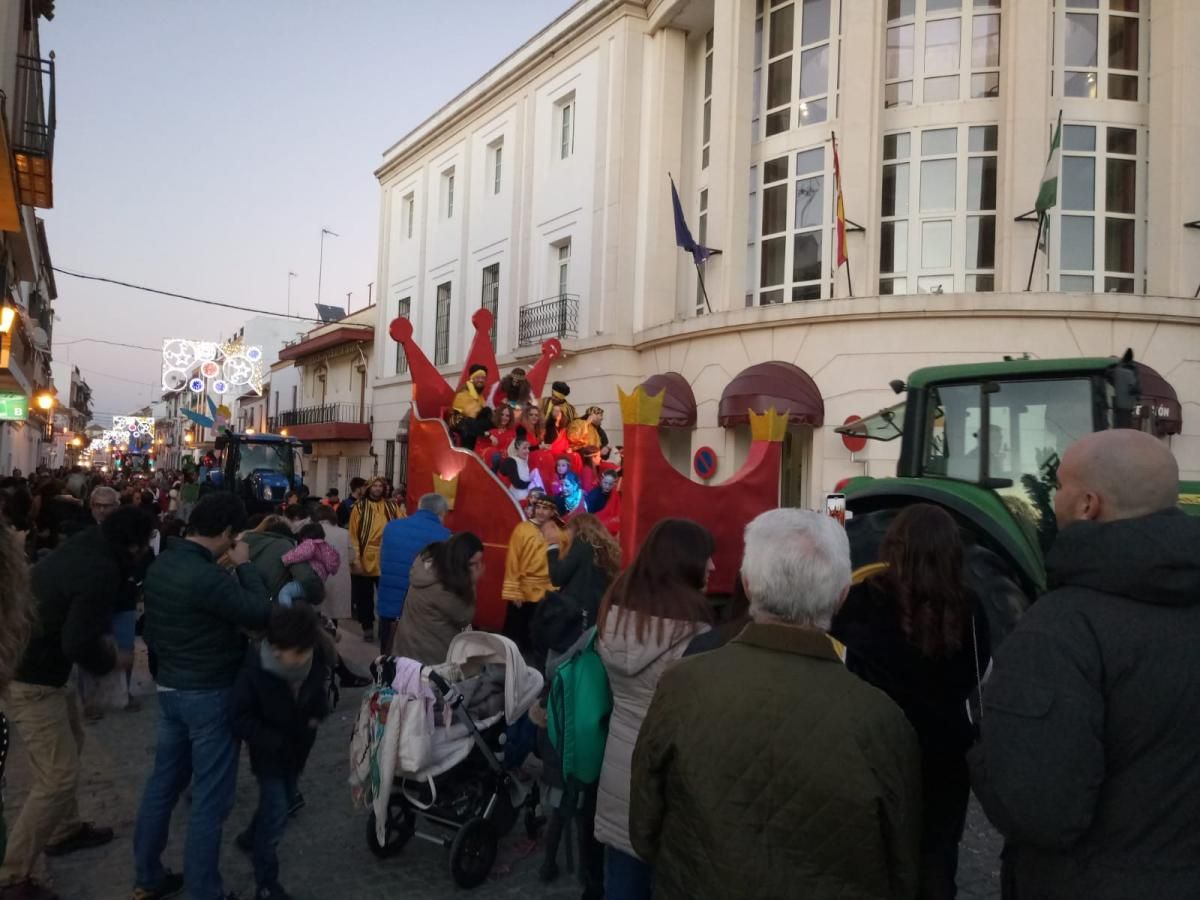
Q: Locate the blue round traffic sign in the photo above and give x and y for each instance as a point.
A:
(704, 463)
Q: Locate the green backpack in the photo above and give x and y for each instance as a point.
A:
(577, 714)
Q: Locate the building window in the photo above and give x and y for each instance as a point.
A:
(403, 310)
(941, 50)
(798, 63)
(1098, 227)
(497, 153)
(938, 211)
(756, 109)
(565, 125)
(1101, 50)
(294, 391)
(408, 210)
(491, 295)
(441, 333)
(702, 237)
(389, 461)
(706, 112)
(794, 221)
(563, 266)
(448, 193)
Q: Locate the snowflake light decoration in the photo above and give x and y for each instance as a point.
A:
(132, 431)
(202, 366)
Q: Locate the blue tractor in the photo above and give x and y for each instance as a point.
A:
(261, 468)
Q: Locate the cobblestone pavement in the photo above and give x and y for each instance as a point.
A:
(324, 853)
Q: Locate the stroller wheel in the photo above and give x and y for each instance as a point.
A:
(472, 853)
(504, 814)
(401, 824)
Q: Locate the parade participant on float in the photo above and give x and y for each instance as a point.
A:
(534, 427)
(558, 408)
(494, 444)
(527, 567)
(469, 404)
(585, 431)
(565, 489)
(516, 471)
(597, 498)
(367, 520)
(513, 390)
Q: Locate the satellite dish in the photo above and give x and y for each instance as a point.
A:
(41, 340)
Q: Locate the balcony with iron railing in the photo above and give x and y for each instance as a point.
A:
(33, 123)
(329, 421)
(553, 317)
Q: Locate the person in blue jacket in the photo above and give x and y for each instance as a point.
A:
(403, 539)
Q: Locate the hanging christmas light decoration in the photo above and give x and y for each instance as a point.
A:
(202, 366)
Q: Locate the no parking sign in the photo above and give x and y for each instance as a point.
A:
(704, 463)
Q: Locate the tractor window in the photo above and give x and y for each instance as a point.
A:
(258, 457)
(952, 436)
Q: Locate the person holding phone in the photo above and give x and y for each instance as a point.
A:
(196, 617)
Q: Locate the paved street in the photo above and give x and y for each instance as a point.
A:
(324, 854)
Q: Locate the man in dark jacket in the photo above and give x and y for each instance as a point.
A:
(403, 539)
(278, 701)
(195, 615)
(765, 768)
(267, 549)
(357, 486)
(1088, 762)
(74, 588)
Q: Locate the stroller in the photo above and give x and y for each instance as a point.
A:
(436, 752)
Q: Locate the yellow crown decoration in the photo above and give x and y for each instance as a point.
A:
(769, 426)
(639, 408)
(446, 487)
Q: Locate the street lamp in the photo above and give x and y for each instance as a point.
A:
(189, 437)
(8, 315)
(76, 442)
(45, 401)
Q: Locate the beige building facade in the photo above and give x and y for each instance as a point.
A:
(541, 192)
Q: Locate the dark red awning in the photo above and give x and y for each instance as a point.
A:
(1158, 402)
(344, 335)
(772, 384)
(679, 404)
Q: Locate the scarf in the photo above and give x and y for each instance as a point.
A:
(522, 464)
(293, 675)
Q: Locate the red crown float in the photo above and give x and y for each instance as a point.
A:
(651, 489)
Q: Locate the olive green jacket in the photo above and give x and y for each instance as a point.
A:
(766, 769)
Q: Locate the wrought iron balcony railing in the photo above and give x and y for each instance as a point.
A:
(554, 317)
(320, 415)
(34, 122)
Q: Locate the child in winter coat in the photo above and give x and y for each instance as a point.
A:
(313, 550)
(278, 701)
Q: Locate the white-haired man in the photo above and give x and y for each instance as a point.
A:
(765, 768)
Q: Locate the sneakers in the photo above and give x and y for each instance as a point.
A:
(85, 838)
(27, 890)
(171, 886)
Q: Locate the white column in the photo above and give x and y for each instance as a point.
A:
(1173, 252)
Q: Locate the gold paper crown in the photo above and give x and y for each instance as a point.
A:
(769, 426)
(639, 408)
(446, 487)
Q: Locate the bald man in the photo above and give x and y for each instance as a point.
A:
(1089, 761)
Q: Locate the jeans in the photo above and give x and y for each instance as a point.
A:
(387, 628)
(47, 721)
(362, 599)
(626, 877)
(275, 797)
(290, 593)
(196, 746)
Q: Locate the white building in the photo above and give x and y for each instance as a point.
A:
(548, 178)
(329, 371)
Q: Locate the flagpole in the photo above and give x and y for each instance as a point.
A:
(1036, 243)
(703, 289)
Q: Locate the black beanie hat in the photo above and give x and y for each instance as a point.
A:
(561, 387)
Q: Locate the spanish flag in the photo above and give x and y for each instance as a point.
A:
(842, 255)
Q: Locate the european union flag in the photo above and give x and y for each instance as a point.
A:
(683, 234)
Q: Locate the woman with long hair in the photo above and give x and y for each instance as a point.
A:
(531, 421)
(441, 598)
(493, 445)
(591, 562)
(915, 630)
(645, 622)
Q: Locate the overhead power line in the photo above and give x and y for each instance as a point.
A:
(150, 290)
(110, 343)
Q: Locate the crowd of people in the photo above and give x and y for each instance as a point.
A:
(817, 734)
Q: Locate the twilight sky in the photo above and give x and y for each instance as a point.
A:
(201, 147)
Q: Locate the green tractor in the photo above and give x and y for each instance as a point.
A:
(984, 441)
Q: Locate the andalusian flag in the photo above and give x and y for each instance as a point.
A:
(1047, 197)
(842, 255)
